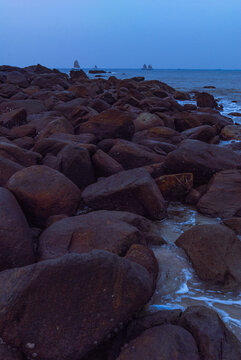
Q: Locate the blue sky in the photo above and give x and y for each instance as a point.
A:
(121, 33)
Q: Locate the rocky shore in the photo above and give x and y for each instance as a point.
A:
(87, 169)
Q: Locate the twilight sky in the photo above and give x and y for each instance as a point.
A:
(121, 33)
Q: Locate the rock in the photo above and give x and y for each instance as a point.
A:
(16, 247)
(105, 165)
(234, 223)
(42, 192)
(8, 90)
(99, 105)
(131, 190)
(13, 118)
(215, 252)
(49, 299)
(181, 95)
(214, 340)
(166, 342)
(160, 133)
(223, 198)
(7, 169)
(175, 187)
(78, 75)
(131, 155)
(24, 130)
(202, 133)
(201, 159)
(209, 87)
(31, 106)
(193, 197)
(17, 78)
(231, 132)
(75, 163)
(49, 81)
(97, 72)
(25, 142)
(58, 126)
(113, 231)
(146, 121)
(206, 100)
(235, 113)
(109, 124)
(6, 353)
(21, 156)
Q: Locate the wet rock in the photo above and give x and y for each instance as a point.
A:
(131, 190)
(109, 124)
(146, 121)
(223, 198)
(131, 155)
(175, 187)
(21, 156)
(235, 113)
(42, 192)
(181, 95)
(160, 133)
(75, 163)
(215, 252)
(234, 223)
(16, 247)
(113, 231)
(49, 299)
(202, 133)
(166, 342)
(214, 340)
(201, 159)
(231, 132)
(7, 169)
(206, 100)
(105, 165)
(13, 118)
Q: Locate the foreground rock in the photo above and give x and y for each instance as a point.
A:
(175, 187)
(16, 246)
(231, 132)
(201, 159)
(131, 190)
(215, 252)
(7, 169)
(43, 192)
(49, 304)
(223, 198)
(214, 340)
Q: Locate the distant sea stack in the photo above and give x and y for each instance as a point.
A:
(76, 65)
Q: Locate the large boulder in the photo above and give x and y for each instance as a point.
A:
(13, 118)
(146, 121)
(165, 342)
(31, 106)
(175, 187)
(113, 231)
(206, 100)
(21, 156)
(203, 133)
(43, 192)
(16, 246)
(7, 169)
(223, 198)
(62, 309)
(131, 190)
(105, 165)
(74, 162)
(201, 159)
(214, 340)
(161, 133)
(131, 155)
(231, 132)
(215, 252)
(109, 124)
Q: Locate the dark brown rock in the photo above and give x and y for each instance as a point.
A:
(7, 169)
(57, 126)
(234, 224)
(31, 106)
(231, 132)
(8, 90)
(214, 340)
(206, 100)
(42, 192)
(131, 190)
(6, 353)
(78, 75)
(201, 159)
(175, 187)
(16, 247)
(25, 142)
(13, 118)
(166, 342)
(21, 156)
(49, 299)
(215, 252)
(223, 198)
(146, 121)
(161, 133)
(203, 133)
(105, 165)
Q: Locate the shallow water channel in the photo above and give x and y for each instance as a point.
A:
(178, 286)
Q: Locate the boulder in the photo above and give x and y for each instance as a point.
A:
(75, 163)
(231, 132)
(161, 133)
(49, 81)
(202, 133)
(44, 304)
(21, 156)
(131, 155)
(131, 190)
(234, 223)
(17, 78)
(31, 106)
(58, 126)
(109, 124)
(175, 187)
(7, 169)
(166, 342)
(201, 159)
(205, 100)
(223, 198)
(8, 90)
(113, 231)
(146, 121)
(24, 130)
(25, 142)
(105, 165)
(215, 252)
(42, 192)
(16, 246)
(78, 75)
(13, 118)
(214, 340)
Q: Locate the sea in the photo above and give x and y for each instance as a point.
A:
(178, 286)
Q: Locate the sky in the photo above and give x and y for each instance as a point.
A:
(169, 34)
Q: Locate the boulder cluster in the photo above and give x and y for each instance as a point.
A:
(87, 167)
